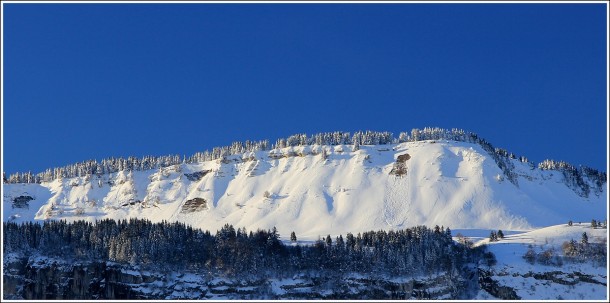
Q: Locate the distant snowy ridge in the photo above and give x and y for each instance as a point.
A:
(582, 180)
(318, 189)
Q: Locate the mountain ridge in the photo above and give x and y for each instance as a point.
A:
(319, 189)
(109, 165)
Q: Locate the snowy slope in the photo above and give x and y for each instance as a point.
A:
(548, 282)
(448, 183)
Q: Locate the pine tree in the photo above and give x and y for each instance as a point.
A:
(493, 236)
(500, 234)
(340, 243)
(585, 239)
(293, 237)
(448, 232)
(570, 248)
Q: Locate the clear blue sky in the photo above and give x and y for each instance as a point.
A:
(90, 81)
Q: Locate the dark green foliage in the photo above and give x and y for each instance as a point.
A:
(584, 239)
(231, 252)
(489, 258)
(493, 237)
(500, 234)
(329, 240)
(21, 202)
(577, 178)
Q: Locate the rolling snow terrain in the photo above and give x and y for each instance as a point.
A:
(560, 280)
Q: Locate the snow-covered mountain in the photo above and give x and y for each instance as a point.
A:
(326, 184)
(326, 189)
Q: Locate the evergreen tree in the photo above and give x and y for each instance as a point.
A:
(500, 234)
(340, 243)
(293, 237)
(585, 239)
(235, 252)
(448, 232)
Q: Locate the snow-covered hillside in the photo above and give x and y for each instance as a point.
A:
(319, 189)
(559, 278)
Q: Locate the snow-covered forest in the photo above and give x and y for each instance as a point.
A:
(574, 176)
(240, 253)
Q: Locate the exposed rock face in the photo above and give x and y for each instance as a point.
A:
(39, 278)
(53, 279)
(403, 158)
(131, 202)
(22, 202)
(196, 176)
(400, 166)
(194, 205)
(549, 283)
(46, 279)
(560, 277)
(494, 288)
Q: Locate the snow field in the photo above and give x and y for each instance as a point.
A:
(454, 184)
